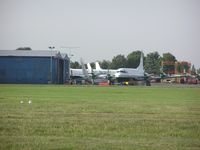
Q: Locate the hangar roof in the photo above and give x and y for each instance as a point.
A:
(30, 53)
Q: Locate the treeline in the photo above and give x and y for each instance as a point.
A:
(152, 62)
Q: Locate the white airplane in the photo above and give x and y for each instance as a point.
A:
(84, 70)
(121, 74)
(82, 73)
(98, 73)
(126, 74)
(89, 68)
(79, 73)
(110, 72)
(76, 73)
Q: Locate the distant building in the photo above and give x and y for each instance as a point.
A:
(168, 67)
(178, 67)
(33, 67)
(182, 67)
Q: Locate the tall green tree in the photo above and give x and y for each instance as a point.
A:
(198, 74)
(133, 59)
(75, 65)
(193, 70)
(153, 63)
(92, 64)
(179, 67)
(24, 48)
(168, 63)
(105, 64)
(118, 61)
(168, 57)
(198, 71)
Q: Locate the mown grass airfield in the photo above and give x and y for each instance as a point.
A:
(93, 117)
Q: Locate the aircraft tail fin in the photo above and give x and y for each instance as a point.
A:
(83, 68)
(89, 68)
(97, 66)
(141, 66)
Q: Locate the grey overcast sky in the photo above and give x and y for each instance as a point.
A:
(103, 28)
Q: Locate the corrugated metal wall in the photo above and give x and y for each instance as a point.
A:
(33, 70)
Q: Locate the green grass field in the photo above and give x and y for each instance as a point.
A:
(93, 118)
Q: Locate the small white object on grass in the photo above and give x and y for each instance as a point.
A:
(21, 102)
(29, 101)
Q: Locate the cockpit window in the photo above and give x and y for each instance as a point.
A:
(121, 71)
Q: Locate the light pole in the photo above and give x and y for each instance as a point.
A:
(51, 65)
(70, 72)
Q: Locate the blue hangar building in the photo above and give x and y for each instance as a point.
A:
(33, 67)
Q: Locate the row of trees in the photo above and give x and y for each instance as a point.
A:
(152, 62)
(119, 61)
(24, 48)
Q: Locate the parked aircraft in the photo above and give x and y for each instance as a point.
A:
(121, 74)
(96, 74)
(99, 73)
(89, 68)
(76, 73)
(126, 74)
(110, 72)
(79, 73)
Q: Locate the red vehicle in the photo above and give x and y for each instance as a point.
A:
(192, 80)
